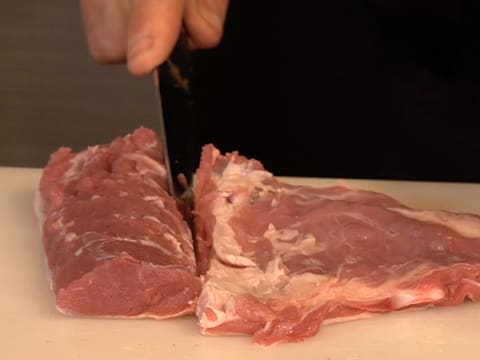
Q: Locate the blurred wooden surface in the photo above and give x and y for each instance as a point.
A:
(52, 93)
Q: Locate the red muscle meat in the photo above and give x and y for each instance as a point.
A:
(115, 241)
(280, 261)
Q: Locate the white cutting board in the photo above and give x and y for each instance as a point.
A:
(31, 328)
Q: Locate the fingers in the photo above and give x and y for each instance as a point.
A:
(153, 29)
(144, 32)
(105, 23)
(205, 20)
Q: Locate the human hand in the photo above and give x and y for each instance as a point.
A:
(142, 33)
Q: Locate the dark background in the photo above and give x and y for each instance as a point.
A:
(371, 89)
(362, 89)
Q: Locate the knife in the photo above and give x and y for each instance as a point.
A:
(172, 83)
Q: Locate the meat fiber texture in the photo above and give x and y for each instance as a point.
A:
(115, 241)
(283, 260)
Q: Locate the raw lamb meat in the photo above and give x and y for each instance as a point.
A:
(280, 261)
(115, 241)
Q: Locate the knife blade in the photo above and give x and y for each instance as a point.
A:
(172, 83)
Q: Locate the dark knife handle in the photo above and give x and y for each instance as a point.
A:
(174, 84)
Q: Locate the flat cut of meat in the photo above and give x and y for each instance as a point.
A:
(115, 242)
(280, 260)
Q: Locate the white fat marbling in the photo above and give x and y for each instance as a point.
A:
(401, 299)
(156, 200)
(144, 242)
(465, 225)
(69, 237)
(234, 187)
(153, 165)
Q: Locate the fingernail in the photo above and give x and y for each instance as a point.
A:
(138, 46)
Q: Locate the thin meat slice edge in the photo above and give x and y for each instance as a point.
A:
(280, 260)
